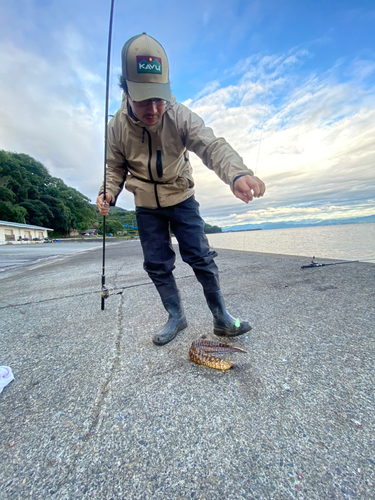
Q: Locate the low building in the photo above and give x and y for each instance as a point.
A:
(14, 232)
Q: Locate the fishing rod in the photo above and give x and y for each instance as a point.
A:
(105, 291)
(316, 264)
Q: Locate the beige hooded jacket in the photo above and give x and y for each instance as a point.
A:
(153, 162)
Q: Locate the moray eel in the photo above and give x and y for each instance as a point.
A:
(200, 349)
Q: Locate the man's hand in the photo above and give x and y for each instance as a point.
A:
(248, 187)
(103, 205)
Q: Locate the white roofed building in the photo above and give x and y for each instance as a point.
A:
(14, 232)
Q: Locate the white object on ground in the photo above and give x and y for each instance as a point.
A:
(6, 376)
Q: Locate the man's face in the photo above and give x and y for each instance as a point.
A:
(150, 111)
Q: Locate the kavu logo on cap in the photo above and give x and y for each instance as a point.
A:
(147, 64)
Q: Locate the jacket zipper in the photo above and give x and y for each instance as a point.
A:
(149, 166)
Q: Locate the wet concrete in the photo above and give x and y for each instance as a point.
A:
(97, 411)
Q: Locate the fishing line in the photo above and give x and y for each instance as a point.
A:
(260, 142)
(104, 289)
(148, 283)
(261, 131)
(110, 292)
(258, 154)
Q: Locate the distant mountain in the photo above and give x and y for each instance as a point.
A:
(289, 224)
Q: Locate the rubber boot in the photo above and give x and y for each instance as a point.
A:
(176, 321)
(224, 324)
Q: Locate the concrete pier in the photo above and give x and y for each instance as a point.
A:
(97, 411)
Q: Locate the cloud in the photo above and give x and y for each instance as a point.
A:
(309, 136)
(302, 214)
(314, 134)
(55, 111)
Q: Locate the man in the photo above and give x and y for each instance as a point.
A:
(148, 143)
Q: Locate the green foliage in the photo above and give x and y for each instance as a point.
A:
(211, 229)
(125, 220)
(12, 213)
(38, 213)
(6, 194)
(29, 193)
(111, 226)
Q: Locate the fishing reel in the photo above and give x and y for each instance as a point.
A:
(105, 294)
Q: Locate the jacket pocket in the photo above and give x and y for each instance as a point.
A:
(190, 180)
(159, 165)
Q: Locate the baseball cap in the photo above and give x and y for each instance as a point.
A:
(145, 68)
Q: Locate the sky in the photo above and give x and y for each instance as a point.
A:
(289, 84)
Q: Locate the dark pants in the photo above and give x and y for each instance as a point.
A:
(159, 257)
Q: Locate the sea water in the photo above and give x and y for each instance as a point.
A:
(341, 242)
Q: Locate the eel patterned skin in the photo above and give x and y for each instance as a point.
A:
(200, 349)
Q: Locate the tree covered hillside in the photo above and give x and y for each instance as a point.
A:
(118, 221)
(29, 194)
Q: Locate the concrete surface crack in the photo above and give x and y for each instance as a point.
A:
(103, 393)
(104, 390)
(41, 301)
